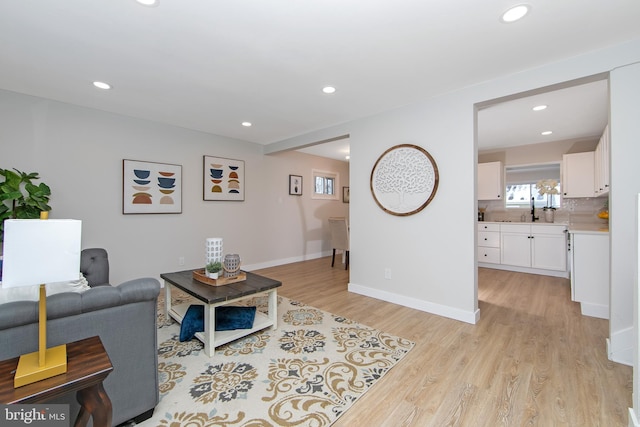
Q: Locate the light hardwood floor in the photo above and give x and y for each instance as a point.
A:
(532, 359)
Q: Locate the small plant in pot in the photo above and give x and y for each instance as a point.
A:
(213, 269)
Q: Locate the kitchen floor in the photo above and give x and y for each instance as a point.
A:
(532, 359)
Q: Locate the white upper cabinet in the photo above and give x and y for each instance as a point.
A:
(490, 181)
(578, 174)
(602, 164)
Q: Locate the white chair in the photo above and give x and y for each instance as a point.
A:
(339, 239)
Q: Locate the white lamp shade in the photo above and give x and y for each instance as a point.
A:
(40, 251)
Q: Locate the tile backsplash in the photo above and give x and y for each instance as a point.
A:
(573, 211)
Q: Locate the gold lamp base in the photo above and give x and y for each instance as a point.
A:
(29, 368)
(46, 362)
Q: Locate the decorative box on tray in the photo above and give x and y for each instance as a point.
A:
(201, 276)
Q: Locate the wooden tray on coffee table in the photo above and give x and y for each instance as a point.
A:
(201, 277)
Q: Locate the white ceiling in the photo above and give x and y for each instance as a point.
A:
(337, 150)
(576, 112)
(210, 65)
(573, 113)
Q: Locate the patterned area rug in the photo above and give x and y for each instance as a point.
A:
(307, 372)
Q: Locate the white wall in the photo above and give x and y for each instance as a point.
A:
(430, 269)
(625, 186)
(78, 153)
(432, 254)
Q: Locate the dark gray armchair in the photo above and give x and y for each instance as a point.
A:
(94, 266)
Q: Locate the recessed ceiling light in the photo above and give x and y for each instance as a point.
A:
(148, 2)
(547, 132)
(102, 85)
(347, 157)
(539, 107)
(515, 13)
(328, 89)
(246, 124)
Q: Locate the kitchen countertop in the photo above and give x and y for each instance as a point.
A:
(589, 228)
(582, 228)
(523, 222)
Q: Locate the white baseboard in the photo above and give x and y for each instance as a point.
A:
(620, 346)
(553, 273)
(426, 306)
(594, 310)
(283, 261)
(633, 420)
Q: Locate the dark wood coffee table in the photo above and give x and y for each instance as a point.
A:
(215, 296)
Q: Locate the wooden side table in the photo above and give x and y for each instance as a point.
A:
(87, 366)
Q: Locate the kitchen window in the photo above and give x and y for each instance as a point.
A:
(519, 196)
(521, 185)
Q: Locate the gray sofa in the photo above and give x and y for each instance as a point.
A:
(124, 317)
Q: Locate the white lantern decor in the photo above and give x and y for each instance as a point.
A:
(214, 250)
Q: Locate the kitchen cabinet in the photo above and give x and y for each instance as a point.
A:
(490, 181)
(534, 246)
(516, 241)
(578, 174)
(601, 158)
(590, 272)
(489, 243)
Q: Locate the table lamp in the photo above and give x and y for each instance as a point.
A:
(37, 252)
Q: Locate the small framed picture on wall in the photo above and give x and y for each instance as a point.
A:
(345, 194)
(295, 185)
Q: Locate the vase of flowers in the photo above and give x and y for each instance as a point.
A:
(548, 187)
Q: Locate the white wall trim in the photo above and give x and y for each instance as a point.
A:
(282, 261)
(553, 273)
(620, 346)
(426, 306)
(600, 311)
(633, 421)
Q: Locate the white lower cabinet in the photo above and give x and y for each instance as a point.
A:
(489, 243)
(534, 246)
(590, 273)
(549, 251)
(516, 245)
(529, 248)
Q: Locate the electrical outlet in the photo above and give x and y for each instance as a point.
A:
(181, 260)
(387, 273)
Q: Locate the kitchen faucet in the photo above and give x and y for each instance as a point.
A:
(533, 210)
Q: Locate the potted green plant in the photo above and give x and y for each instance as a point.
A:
(20, 197)
(213, 269)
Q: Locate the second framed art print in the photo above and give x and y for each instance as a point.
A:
(223, 179)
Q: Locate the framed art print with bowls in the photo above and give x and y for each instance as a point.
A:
(151, 188)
